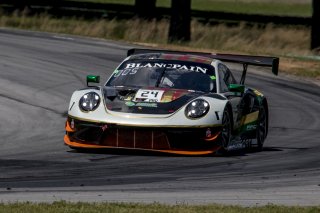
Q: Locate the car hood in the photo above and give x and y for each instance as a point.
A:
(125, 99)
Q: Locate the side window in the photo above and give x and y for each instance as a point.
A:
(223, 76)
(230, 79)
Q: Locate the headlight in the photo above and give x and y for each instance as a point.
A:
(89, 101)
(197, 108)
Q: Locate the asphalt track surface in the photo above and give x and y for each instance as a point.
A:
(39, 72)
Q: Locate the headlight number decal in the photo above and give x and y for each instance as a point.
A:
(149, 95)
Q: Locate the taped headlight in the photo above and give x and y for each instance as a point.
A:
(197, 108)
(89, 101)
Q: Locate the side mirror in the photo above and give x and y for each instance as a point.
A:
(236, 88)
(93, 79)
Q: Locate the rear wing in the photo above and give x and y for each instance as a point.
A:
(245, 60)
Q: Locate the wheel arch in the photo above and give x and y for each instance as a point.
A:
(229, 108)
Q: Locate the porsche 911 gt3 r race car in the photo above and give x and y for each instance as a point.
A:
(173, 102)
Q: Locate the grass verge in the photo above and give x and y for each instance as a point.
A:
(272, 40)
(265, 7)
(66, 207)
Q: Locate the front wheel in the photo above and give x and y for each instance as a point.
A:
(225, 135)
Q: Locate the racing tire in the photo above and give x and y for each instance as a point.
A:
(262, 128)
(225, 135)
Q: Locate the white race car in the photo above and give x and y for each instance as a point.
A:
(169, 101)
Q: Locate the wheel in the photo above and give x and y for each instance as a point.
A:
(225, 135)
(262, 128)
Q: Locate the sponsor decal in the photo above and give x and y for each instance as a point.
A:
(129, 103)
(250, 118)
(140, 104)
(130, 67)
(170, 95)
(128, 98)
(237, 144)
(257, 93)
(129, 71)
(251, 127)
(146, 104)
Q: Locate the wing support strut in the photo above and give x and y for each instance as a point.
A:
(244, 73)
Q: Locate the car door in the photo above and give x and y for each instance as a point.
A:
(225, 79)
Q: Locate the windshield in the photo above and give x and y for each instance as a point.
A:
(165, 74)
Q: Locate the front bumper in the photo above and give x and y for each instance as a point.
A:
(188, 141)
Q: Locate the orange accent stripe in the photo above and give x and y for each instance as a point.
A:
(213, 137)
(68, 128)
(205, 152)
(180, 152)
(68, 142)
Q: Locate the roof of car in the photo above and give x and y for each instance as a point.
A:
(176, 57)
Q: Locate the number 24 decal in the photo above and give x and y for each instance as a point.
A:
(149, 95)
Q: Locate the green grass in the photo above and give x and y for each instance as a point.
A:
(65, 207)
(266, 7)
(130, 2)
(257, 8)
(254, 7)
(270, 40)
